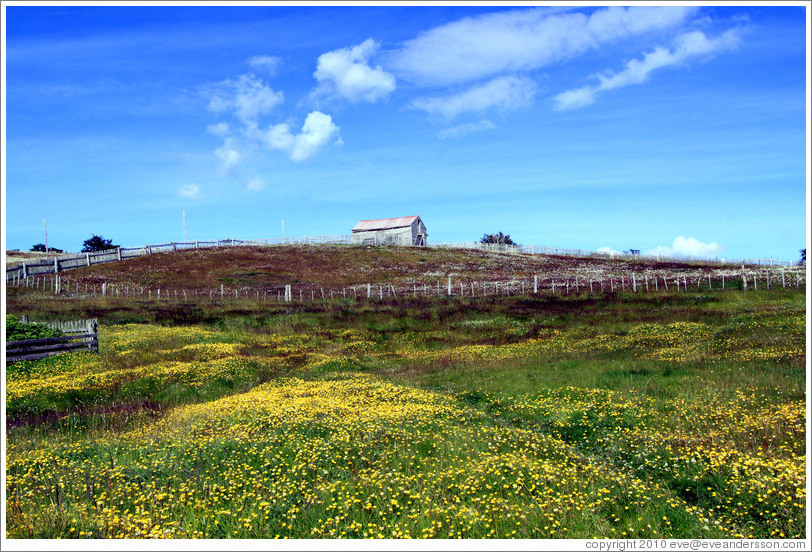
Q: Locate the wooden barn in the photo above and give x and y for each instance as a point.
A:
(391, 231)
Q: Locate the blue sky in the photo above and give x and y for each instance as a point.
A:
(665, 129)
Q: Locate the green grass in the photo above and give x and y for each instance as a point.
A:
(646, 416)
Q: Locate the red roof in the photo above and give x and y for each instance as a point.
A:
(384, 224)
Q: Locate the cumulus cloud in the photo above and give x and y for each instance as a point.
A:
(637, 71)
(248, 98)
(502, 93)
(268, 64)
(688, 247)
(190, 191)
(489, 45)
(318, 130)
(347, 73)
(466, 129)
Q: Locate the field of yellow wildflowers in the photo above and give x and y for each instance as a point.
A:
(488, 418)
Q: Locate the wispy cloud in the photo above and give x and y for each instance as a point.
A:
(686, 46)
(220, 129)
(228, 154)
(190, 191)
(466, 129)
(688, 247)
(502, 93)
(247, 97)
(268, 64)
(255, 184)
(346, 73)
(317, 131)
(485, 46)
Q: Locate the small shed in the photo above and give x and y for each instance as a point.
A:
(391, 231)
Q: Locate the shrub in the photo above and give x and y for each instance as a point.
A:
(17, 331)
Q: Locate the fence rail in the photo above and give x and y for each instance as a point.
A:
(566, 282)
(51, 266)
(81, 335)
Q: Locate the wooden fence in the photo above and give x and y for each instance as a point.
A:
(694, 281)
(80, 335)
(26, 269)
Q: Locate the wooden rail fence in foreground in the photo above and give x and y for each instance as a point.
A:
(79, 335)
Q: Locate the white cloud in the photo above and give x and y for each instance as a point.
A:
(637, 71)
(191, 191)
(688, 247)
(317, 131)
(255, 184)
(503, 93)
(220, 129)
(229, 155)
(269, 64)
(247, 97)
(347, 73)
(466, 129)
(488, 45)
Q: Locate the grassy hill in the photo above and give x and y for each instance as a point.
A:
(257, 267)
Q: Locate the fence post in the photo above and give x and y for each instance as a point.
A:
(118, 253)
(369, 291)
(535, 284)
(288, 293)
(56, 265)
(449, 285)
(634, 282)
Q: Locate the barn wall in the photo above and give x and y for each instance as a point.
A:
(407, 235)
(392, 236)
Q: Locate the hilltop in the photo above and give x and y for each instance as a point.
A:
(311, 266)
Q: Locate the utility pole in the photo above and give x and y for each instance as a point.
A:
(45, 228)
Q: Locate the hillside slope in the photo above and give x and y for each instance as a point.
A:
(304, 266)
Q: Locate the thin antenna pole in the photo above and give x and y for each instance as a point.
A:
(45, 228)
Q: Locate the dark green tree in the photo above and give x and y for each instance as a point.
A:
(41, 247)
(803, 257)
(97, 243)
(499, 239)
